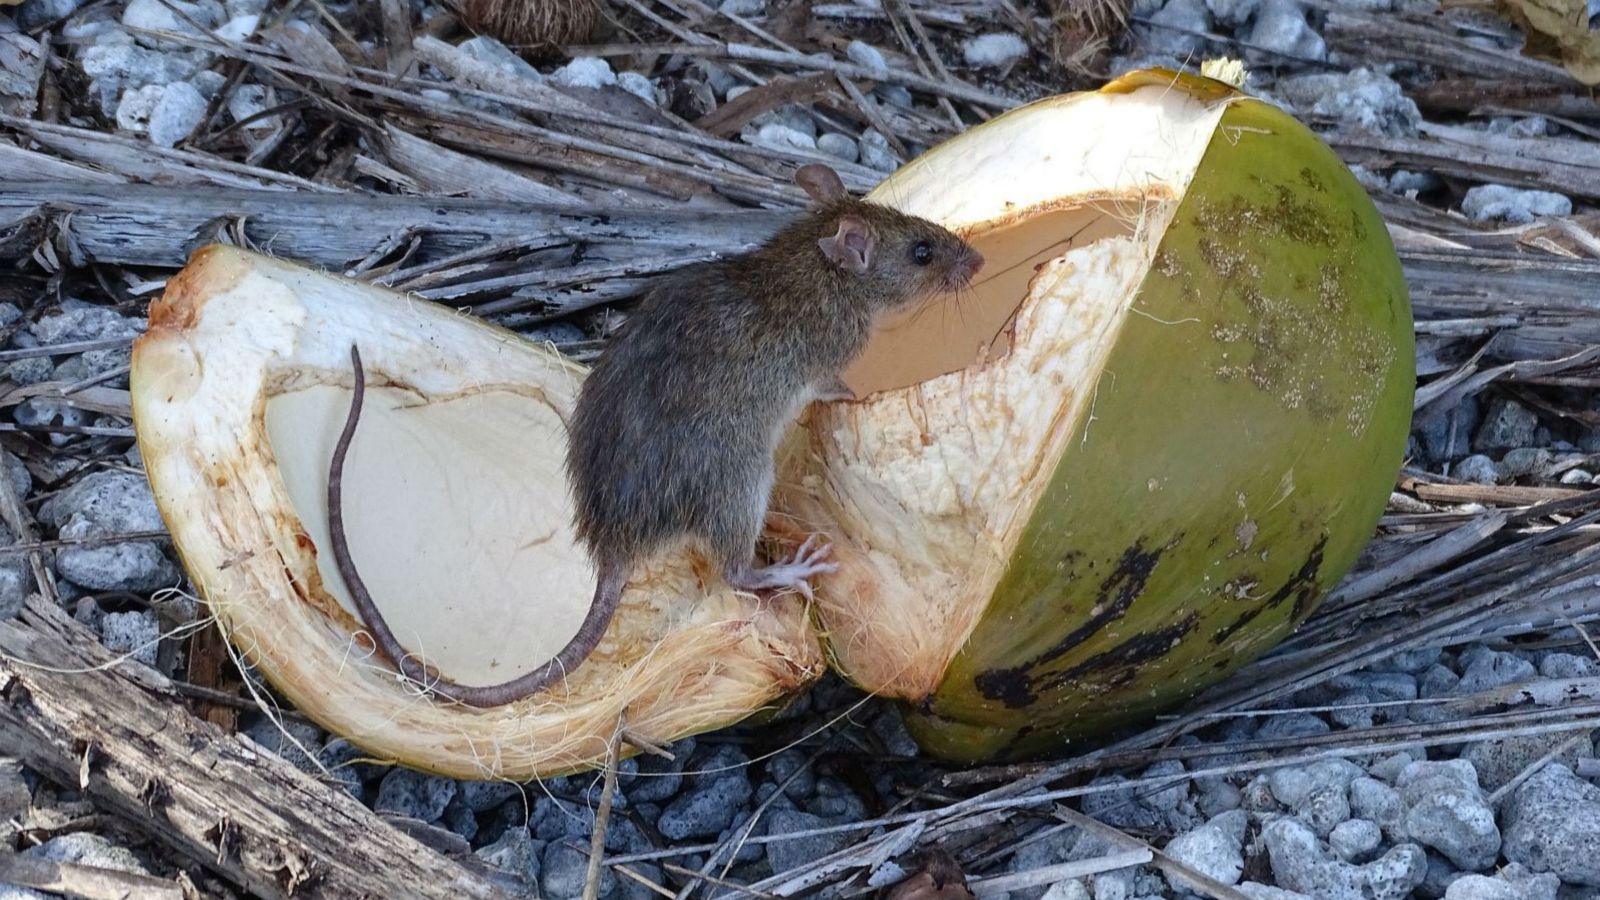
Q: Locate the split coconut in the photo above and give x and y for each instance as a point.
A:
(1129, 460)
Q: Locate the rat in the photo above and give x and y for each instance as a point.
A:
(676, 428)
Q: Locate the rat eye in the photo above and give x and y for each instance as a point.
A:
(922, 254)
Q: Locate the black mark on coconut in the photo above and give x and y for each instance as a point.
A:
(1013, 686)
(1301, 587)
(1119, 666)
(1312, 180)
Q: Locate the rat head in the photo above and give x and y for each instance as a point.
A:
(901, 258)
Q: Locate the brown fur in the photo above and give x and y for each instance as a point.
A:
(534, 23)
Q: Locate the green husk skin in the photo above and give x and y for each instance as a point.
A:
(1243, 438)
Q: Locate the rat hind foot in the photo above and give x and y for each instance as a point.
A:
(807, 561)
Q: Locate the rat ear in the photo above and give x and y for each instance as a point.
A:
(821, 183)
(851, 246)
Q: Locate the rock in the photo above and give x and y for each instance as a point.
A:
(1215, 849)
(135, 634)
(1524, 461)
(995, 50)
(137, 106)
(415, 795)
(516, 852)
(1507, 425)
(458, 818)
(1232, 12)
(1066, 890)
(1498, 761)
(638, 85)
(154, 15)
(1567, 665)
(1257, 891)
(1406, 182)
(482, 796)
(1363, 97)
(1355, 840)
(786, 855)
(84, 848)
(840, 145)
(564, 870)
(1119, 808)
(585, 72)
(743, 7)
(793, 763)
(1325, 808)
(1552, 824)
(1577, 476)
(1375, 801)
(490, 51)
(1175, 29)
(836, 800)
(1478, 469)
(1492, 202)
(176, 115)
(1512, 883)
(239, 28)
(1300, 864)
(1281, 27)
(109, 503)
(1485, 669)
(82, 321)
(707, 809)
(1446, 810)
(1218, 796)
(1292, 725)
(37, 13)
(32, 370)
(895, 95)
(875, 152)
(867, 57)
(782, 137)
(1168, 798)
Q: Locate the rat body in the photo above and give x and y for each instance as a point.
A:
(676, 426)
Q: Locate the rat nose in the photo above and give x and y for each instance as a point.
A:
(974, 262)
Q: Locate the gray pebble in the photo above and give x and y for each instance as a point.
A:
(415, 795)
(585, 72)
(1413, 662)
(1497, 202)
(1299, 863)
(1171, 29)
(839, 145)
(706, 809)
(458, 818)
(835, 800)
(1567, 665)
(1498, 761)
(783, 137)
(1215, 849)
(32, 370)
(516, 852)
(1118, 808)
(36, 13)
(867, 57)
(564, 870)
(1355, 840)
(875, 152)
(1514, 882)
(995, 50)
(1281, 26)
(482, 796)
(1478, 469)
(1552, 824)
(638, 85)
(1441, 873)
(1232, 12)
(1375, 801)
(1218, 797)
(1485, 669)
(791, 854)
(1362, 97)
(1524, 461)
(1325, 808)
(895, 95)
(1257, 891)
(1292, 725)
(135, 633)
(793, 762)
(339, 757)
(490, 51)
(1446, 810)
(176, 114)
(1506, 425)
(1404, 181)
(84, 848)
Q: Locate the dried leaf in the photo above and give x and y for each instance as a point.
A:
(938, 877)
(1558, 30)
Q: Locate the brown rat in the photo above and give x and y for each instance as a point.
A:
(677, 424)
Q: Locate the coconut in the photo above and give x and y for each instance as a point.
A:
(1160, 428)
(1130, 459)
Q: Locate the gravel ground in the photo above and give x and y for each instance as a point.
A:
(1516, 818)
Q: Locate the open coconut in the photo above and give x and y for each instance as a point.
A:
(457, 513)
(1163, 424)
(1129, 460)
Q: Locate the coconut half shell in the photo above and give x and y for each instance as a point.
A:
(458, 515)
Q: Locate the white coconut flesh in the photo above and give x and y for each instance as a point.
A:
(457, 514)
(933, 476)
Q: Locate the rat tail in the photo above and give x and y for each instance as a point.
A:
(613, 577)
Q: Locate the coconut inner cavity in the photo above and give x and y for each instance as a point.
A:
(457, 517)
(965, 330)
